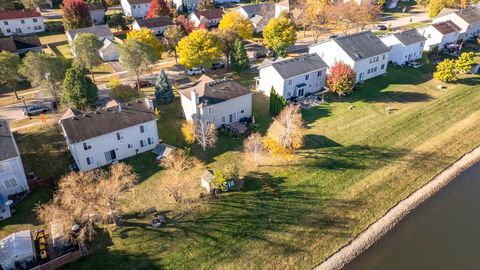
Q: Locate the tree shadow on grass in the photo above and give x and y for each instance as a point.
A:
(313, 141)
(313, 114)
(144, 165)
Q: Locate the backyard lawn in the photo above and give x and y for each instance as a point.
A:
(362, 154)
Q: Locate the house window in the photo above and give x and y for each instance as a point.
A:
(384, 56)
(288, 94)
(86, 146)
(223, 119)
(150, 141)
(143, 128)
(35, 20)
(5, 22)
(90, 160)
(130, 145)
(9, 183)
(22, 21)
(383, 66)
(429, 36)
(289, 82)
(319, 73)
(421, 44)
(119, 136)
(242, 111)
(210, 110)
(306, 77)
(110, 155)
(143, 143)
(208, 122)
(5, 167)
(133, 6)
(8, 30)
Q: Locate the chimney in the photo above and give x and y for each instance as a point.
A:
(149, 102)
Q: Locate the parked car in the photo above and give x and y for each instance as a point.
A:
(195, 71)
(414, 64)
(381, 27)
(36, 109)
(218, 65)
(259, 54)
(332, 36)
(142, 84)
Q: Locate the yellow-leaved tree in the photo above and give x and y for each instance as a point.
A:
(199, 49)
(285, 134)
(236, 22)
(147, 36)
(279, 34)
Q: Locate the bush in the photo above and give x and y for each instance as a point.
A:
(446, 71)
(124, 92)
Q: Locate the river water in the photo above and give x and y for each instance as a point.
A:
(442, 233)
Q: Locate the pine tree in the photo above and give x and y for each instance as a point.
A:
(163, 89)
(78, 90)
(272, 99)
(239, 56)
(277, 102)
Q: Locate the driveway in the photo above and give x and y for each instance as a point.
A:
(15, 111)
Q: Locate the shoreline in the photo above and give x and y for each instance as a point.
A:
(380, 227)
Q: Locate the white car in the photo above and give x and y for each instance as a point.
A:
(194, 71)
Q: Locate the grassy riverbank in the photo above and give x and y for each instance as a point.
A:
(359, 160)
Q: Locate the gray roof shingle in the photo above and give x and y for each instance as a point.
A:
(446, 27)
(7, 142)
(80, 127)
(260, 9)
(470, 15)
(361, 45)
(299, 65)
(408, 37)
(155, 22)
(98, 30)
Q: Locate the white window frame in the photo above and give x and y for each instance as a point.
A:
(90, 160)
(119, 136)
(6, 167)
(10, 183)
(211, 111)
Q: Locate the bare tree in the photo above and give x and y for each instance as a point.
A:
(315, 15)
(85, 198)
(367, 13)
(287, 128)
(254, 149)
(179, 161)
(205, 134)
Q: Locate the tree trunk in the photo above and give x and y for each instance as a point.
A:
(176, 57)
(16, 94)
(91, 73)
(138, 81)
(227, 64)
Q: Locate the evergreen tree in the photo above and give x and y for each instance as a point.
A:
(239, 56)
(78, 90)
(277, 102)
(163, 89)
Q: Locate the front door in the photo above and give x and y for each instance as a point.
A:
(360, 76)
(232, 117)
(110, 155)
(301, 92)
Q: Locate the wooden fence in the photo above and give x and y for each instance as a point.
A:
(60, 261)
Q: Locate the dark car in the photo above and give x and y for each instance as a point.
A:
(259, 54)
(218, 65)
(36, 109)
(381, 27)
(142, 84)
(332, 36)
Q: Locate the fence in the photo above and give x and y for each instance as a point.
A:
(49, 182)
(60, 261)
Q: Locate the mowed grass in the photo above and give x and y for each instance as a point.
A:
(359, 160)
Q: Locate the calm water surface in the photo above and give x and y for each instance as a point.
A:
(442, 233)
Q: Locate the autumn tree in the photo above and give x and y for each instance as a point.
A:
(341, 15)
(163, 89)
(85, 48)
(341, 79)
(188, 131)
(286, 131)
(236, 22)
(187, 25)
(435, 6)
(314, 16)
(158, 8)
(137, 56)
(465, 62)
(445, 71)
(78, 90)
(9, 76)
(227, 39)
(199, 48)
(173, 34)
(367, 13)
(278, 35)
(31, 4)
(117, 20)
(254, 149)
(147, 36)
(123, 92)
(44, 71)
(76, 14)
(239, 58)
(205, 5)
(205, 134)
(87, 198)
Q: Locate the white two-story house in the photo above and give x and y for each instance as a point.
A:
(135, 8)
(97, 13)
(21, 22)
(157, 24)
(12, 174)
(467, 19)
(439, 35)
(363, 51)
(217, 102)
(209, 18)
(293, 77)
(105, 136)
(405, 46)
(258, 14)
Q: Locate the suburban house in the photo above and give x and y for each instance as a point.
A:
(97, 13)
(217, 102)
(21, 45)
(259, 14)
(21, 22)
(109, 51)
(467, 19)
(12, 174)
(185, 5)
(439, 35)
(293, 77)
(101, 31)
(405, 46)
(135, 8)
(363, 51)
(209, 18)
(116, 132)
(157, 24)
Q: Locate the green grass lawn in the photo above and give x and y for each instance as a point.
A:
(359, 160)
(65, 50)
